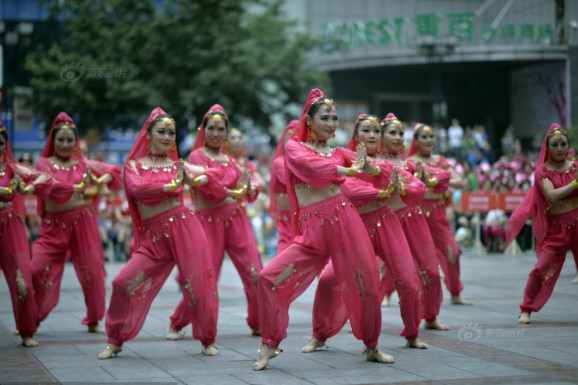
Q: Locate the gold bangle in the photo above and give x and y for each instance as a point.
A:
(384, 194)
(172, 186)
(376, 171)
(575, 183)
(433, 182)
(100, 181)
(10, 189)
(238, 193)
(351, 171)
(196, 180)
(402, 189)
(416, 174)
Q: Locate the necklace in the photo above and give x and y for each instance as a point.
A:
(213, 151)
(152, 155)
(390, 155)
(63, 164)
(318, 141)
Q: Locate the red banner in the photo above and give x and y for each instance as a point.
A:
(482, 202)
(508, 202)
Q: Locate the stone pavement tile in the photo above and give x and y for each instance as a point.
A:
(138, 371)
(489, 369)
(214, 379)
(92, 374)
(220, 367)
(268, 377)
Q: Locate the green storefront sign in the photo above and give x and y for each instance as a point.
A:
(461, 25)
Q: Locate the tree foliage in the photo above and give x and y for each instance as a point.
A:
(121, 58)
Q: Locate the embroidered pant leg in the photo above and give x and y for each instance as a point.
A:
(329, 311)
(242, 248)
(423, 251)
(446, 249)
(133, 290)
(188, 246)
(87, 258)
(15, 263)
(48, 259)
(391, 246)
(543, 277)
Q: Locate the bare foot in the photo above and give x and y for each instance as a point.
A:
(29, 342)
(524, 318)
(210, 350)
(96, 329)
(374, 354)
(109, 351)
(266, 353)
(385, 302)
(256, 332)
(313, 345)
(435, 325)
(416, 343)
(458, 300)
(575, 280)
(173, 335)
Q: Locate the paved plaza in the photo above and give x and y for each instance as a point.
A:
(484, 346)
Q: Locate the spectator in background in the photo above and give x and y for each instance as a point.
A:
(456, 136)
(441, 140)
(493, 230)
(508, 140)
(480, 136)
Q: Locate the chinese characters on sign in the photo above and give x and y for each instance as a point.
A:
(462, 25)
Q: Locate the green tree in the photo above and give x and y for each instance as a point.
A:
(121, 58)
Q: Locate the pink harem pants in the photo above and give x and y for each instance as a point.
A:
(562, 236)
(75, 230)
(283, 225)
(228, 229)
(330, 230)
(390, 245)
(175, 236)
(423, 251)
(15, 263)
(446, 249)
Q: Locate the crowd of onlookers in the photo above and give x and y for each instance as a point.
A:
(468, 151)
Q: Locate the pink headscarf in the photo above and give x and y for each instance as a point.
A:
(8, 155)
(199, 142)
(535, 202)
(353, 142)
(273, 207)
(139, 150)
(49, 146)
(416, 130)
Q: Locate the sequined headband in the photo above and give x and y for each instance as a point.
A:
(168, 121)
(424, 128)
(557, 132)
(66, 126)
(218, 115)
(373, 121)
(326, 101)
(391, 121)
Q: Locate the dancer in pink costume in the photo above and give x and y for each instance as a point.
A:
(69, 224)
(553, 201)
(166, 233)
(18, 179)
(414, 223)
(234, 146)
(376, 202)
(433, 206)
(325, 227)
(225, 221)
(279, 206)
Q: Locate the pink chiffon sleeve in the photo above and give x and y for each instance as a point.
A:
(359, 192)
(60, 192)
(310, 168)
(257, 188)
(414, 187)
(149, 193)
(443, 176)
(213, 192)
(41, 189)
(99, 169)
